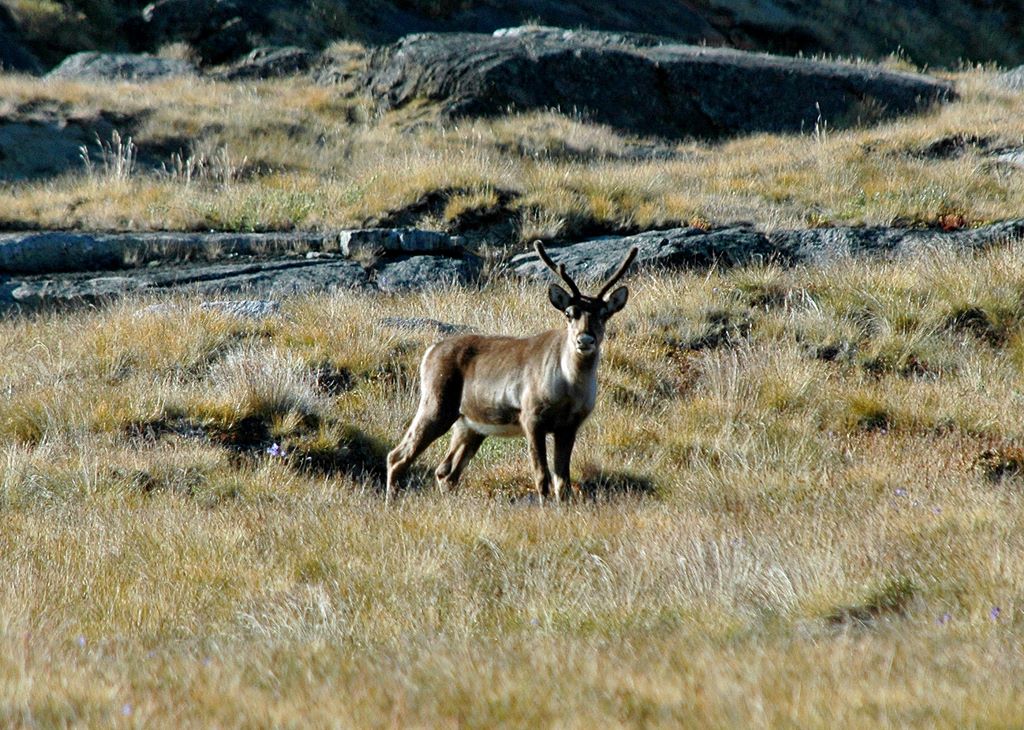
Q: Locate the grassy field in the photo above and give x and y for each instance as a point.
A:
(280, 155)
(805, 509)
(805, 486)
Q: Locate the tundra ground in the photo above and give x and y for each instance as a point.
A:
(805, 507)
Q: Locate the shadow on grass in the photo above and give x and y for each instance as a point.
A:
(1001, 462)
(598, 485)
(361, 456)
(355, 454)
(890, 599)
(250, 440)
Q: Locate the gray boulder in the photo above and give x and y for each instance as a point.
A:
(120, 66)
(268, 62)
(1012, 79)
(668, 90)
(427, 272)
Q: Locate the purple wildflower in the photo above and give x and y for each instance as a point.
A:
(80, 641)
(276, 451)
(945, 618)
(900, 492)
(994, 613)
(126, 709)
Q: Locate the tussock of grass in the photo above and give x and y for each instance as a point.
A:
(758, 519)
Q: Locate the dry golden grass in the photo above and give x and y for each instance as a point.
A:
(807, 511)
(288, 154)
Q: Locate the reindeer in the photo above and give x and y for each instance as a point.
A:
(482, 386)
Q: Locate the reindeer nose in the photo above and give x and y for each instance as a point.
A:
(585, 340)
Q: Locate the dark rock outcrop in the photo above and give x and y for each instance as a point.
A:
(120, 66)
(267, 62)
(637, 86)
(219, 30)
(276, 279)
(14, 55)
(928, 32)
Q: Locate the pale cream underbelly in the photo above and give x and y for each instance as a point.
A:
(488, 429)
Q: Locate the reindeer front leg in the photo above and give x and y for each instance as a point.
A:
(565, 439)
(537, 446)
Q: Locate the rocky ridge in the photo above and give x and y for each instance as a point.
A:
(43, 270)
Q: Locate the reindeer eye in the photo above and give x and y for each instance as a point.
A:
(572, 312)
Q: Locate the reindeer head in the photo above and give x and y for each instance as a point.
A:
(586, 315)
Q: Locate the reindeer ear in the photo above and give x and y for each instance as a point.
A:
(559, 297)
(616, 301)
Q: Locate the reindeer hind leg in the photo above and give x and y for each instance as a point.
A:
(438, 410)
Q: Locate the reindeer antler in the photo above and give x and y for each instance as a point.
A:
(619, 272)
(560, 269)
